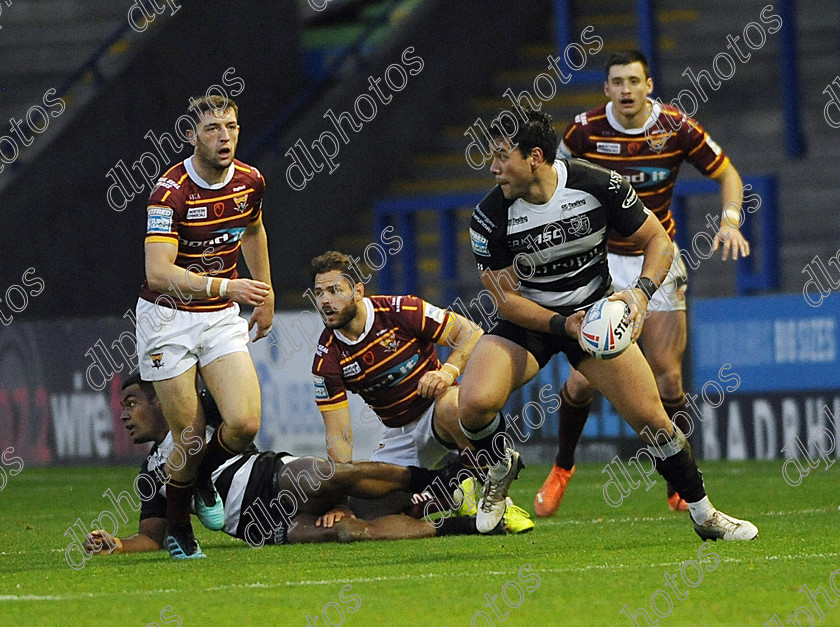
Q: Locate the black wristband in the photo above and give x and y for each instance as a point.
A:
(647, 286)
(557, 324)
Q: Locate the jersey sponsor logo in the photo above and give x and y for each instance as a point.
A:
(435, 313)
(517, 221)
(224, 236)
(630, 200)
(321, 393)
(645, 177)
(572, 205)
(197, 213)
(394, 376)
(159, 220)
(608, 148)
(239, 188)
(218, 209)
(241, 203)
(479, 244)
(351, 370)
(568, 264)
(369, 358)
(389, 342)
(483, 220)
(581, 119)
(321, 350)
(713, 145)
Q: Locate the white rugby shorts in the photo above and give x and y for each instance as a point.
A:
(413, 444)
(171, 341)
(626, 269)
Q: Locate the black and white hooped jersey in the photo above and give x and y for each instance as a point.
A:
(245, 482)
(558, 249)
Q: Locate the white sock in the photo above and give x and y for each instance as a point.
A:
(702, 510)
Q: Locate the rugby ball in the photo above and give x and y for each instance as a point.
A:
(607, 329)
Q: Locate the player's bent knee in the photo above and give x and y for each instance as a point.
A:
(578, 388)
(670, 383)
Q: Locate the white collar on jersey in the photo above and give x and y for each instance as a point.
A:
(368, 324)
(200, 181)
(562, 177)
(654, 113)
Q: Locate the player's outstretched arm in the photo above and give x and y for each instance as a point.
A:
(339, 434)
(148, 538)
(729, 234)
(255, 251)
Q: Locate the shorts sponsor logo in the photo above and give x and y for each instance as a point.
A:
(320, 389)
(157, 360)
(351, 370)
(197, 213)
(159, 220)
(608, 148)
(479, 244)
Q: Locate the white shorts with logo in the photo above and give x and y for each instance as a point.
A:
(414, 444)
(626, 269)
(171, 341)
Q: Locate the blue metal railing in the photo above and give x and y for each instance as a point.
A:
(761, 228)
(564, 19)
(752, 274)
(794, 138)
(290, 113)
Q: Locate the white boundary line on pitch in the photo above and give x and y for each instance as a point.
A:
(553, 522)
(342, 580)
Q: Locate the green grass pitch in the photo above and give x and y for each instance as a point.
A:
(590, 560)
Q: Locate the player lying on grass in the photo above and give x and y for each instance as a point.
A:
(269, 498)
(384, 348)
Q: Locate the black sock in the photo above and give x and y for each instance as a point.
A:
(178, 498)
(571, 422)
(680, 470)
(457, 526)
(216, 453)
(420, 478)
(675, 408)
(489, 441)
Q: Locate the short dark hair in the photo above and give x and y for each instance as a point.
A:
(215, 102)
(527, 129)
(626, 57)
(329, 261)
(136, 379)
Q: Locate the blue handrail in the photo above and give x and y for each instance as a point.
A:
(301, 102)
(564, 19)
(789, 75)
(761, 229)
(752, 274)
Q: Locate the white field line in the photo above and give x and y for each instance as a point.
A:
(420, 576)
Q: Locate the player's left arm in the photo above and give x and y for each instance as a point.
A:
(731, 188)
(148, 538)
(461, 335)
(255, 251)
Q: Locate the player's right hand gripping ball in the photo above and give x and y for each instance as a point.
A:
(607, 329)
